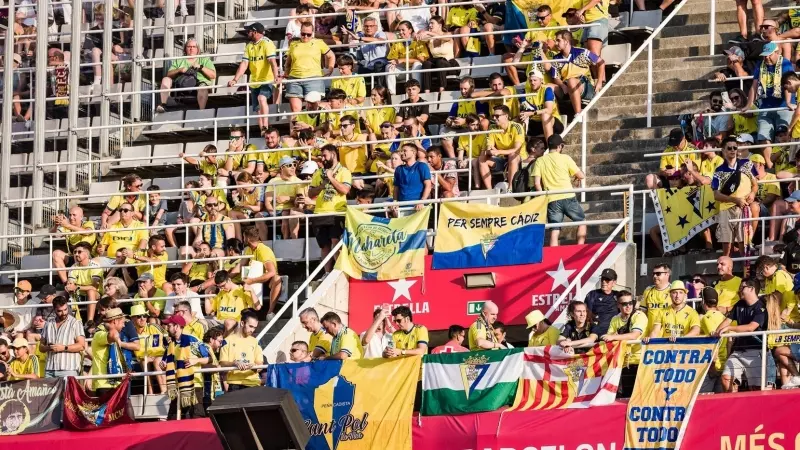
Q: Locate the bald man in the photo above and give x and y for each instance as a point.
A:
(74, 223)
(481, 333)
(728, 285)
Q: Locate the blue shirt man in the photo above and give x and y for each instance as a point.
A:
(412, 180)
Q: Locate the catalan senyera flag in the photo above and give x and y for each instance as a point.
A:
(553, 378)
(377, 248)
(476, 235)
(668, 380)
(682, 213)
(353, 404)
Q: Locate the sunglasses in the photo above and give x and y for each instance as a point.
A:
(735, 97)
(624, 304)
(125, 210)
(295, 350)
(731, 147)
(698, 281)
(397, 320)
(307, 34)
(655, 274)
(211, 205)
(542, 18)
(347, 125)
(716, 102)
(18, 290)
(139, 317)
(766, 27)
(496, 116)
(289, 165)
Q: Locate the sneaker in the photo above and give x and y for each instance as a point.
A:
(270, 316)
(737, 40)
(794, 382)
(160, 109)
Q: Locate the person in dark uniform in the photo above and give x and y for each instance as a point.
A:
(603, 302)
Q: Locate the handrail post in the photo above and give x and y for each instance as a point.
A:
(584, 137)
(5, 154)
(74, 101)
(712, 28)
(39, 112)
(650, 83)
(138, 52)
(764, 362)
(107, 75)
(644, 226)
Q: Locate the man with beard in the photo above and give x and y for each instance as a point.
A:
(330, 185)
(718, 127)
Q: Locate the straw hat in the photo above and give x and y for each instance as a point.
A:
(533, 318)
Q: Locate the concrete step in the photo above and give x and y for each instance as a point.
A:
(624, 146)
(623, 168)
(699, 30)
(619, 135)
(636, 179)
(675, 74)
(625, 87)
(695, 18)
(658, 98)
(640, 112)
(689, 41)
(640, 65)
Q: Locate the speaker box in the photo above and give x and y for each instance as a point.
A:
(258, 418)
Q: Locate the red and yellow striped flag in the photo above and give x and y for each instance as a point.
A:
(553, 378)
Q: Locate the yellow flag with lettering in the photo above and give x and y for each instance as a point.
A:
(668, 380)
(682, 213)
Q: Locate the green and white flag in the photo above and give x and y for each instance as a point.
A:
(459, 383)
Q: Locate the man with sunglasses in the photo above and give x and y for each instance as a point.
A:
(85, 278)
(330, 186)
(503, 149)
(656, 297)
(629, 324)
(409, 339)
(112, 214)
(299, 352)
(128, 233)
(735, 188)
(213, 227)
(232, 299)
(260, 58)
(74, 223)
(718, 127)
(544, 19)
(352, 150)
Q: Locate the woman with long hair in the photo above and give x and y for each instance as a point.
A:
(581, 331)
(442, 50)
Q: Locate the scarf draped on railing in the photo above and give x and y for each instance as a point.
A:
(116, 363)
(180, 379)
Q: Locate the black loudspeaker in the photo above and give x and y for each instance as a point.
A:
(258, 418)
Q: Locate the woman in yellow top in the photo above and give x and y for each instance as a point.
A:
(248, 203)
(354, 85)
(394, 162)
(379, 153)
(374, 118)
(440, 46)
(304, 60)
(151, 343)
(281, 193)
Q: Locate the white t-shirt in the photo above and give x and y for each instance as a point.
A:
(192, 298)
(376, 345)
(419, 17)
(25, 314)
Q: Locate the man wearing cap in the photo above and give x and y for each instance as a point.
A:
(63, 341)
(680, 319)
(481, 333)
(670, 165)
(767, 92)
(540, 107)
(735, 67)
(184, 355)
(709, 322)
(23, 366)
(106, 353)
(152, 341)
(147, 290)
(542, 333)
(629, 325)
(556, 171)
(309, 119)
(22, 296)
(735, 188)
(259, 57)
(603, 302)
(280, 196)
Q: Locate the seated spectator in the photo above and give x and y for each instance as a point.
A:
(446, 181)
(473, 145)
(74, 223)
(212, 227)
(766, 92)
(742, 122)
(304, 60)
(498, 95)
(542, 331)
(261, 254)
(345, 343)
(354, 85)
(736, 66)
(394, 162)
(780, 281)
(405, 56)
(133, 185)
(152, 344)
(709, 161)
(353, 157)
(331, 121)
(709, 322)
(463, 20)
(24, 366)
(540, 109)
(227, 306)
(63, 342)
(768, 190)
(198, 272)
(259, 58)
(735, 188)
(248, 203)
(556, 171)
(156, 208)
(242, 351)
(456, 335)
(457, 120)
(128, 234)
(330, 186)
(280, 197)
(85, 278)
(209, 164)
(574, 77)
(505, 149)
(669, 168)
(212, 385)
(115, 288)
(301, 13)
(244, 159)
(156, 254)
(380, 153)
(409, 339)
(441, 49)
(418, 17)
(412, 180)
(581, 331)
(299, 352)
(629, 325)
(195, 71)
(374, 118)
(182, 294)
(717, 127)
(412, 132)
(377, 338)
(152, 298)
(490, 17)
(408, 108)
(122, 43)
(679, 320)
(499, 329)
(328, 28)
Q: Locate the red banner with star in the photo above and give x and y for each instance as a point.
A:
(440, 299)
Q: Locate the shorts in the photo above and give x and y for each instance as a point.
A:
(711, 385)
(599, 32)
(450, 133)
(588, 89)
(728, 232)
(535, 127)
(744, 365)
(265, 89)
(763, 210)
(327, 229)
(795, 349)
(768, 122)
(500, 163)
(299, 89)
(557, 209)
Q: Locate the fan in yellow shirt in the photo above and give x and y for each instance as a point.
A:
(151, 337)
(319, 343)
(261, 254)
(345, 343)
(680, 319)
(409, 339)
(330, 192)
(543, 332)
(506, 147)
(781, 281)
(709, 322)
(127, 233)
(24, 366)
(354, 85)
(352, 155)
(656, 297)
(232, 299)
(242, 351)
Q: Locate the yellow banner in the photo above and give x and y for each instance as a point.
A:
(682, 213)
(377, 248)
(669, 377)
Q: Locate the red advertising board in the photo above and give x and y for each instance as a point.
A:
(725, 422)
(439, 299)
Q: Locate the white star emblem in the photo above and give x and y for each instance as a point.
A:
(560, 276)
(401, 288)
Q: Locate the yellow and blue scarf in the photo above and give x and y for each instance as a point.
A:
(771, 79)
(180, 379)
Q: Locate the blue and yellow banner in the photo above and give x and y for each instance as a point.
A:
(475, 235)
(668, 380)
(682, 213)
(376, 248)
(353, 404)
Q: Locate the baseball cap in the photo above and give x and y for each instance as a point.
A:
(757, 159)
(554, 141)
(709, 292)
(569, 12)
(258, 27)
(24, 285)
(768, 49)
(745, 138)
(17, 58)
(735, 51)
(536, 73)
(782, 129)
(309, 167)
(146, 276)
(314, 97)
(608, 274)
(675, 137)
(795, 197)
(285, 161)
(46, 290)
(19, 342)
(176, 319)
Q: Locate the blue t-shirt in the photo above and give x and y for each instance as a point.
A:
(765, 95)
(410, 181)
(128, 334)
(480, 108)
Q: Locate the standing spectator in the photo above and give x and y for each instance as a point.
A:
(412, 180)
(231, 301)
(372, 51)
(242, 351)
(543, 332)
(183, 355)
(735, 188)
(741, 18)
(193, 325)
(330, 186)
(441, 49)
(319, 342)
(304, 60)
(767, 92)
(195, 71)
(544, 19)
(107, 358)
(446, 181)
(409, 108)
(782, 282)
(409, 339)
(261, 254)
(260, 58)
(709, 322)
(113, 211)
(456, 334)
(727, 286)
(629, 325)
(63, 341)
(553, 172)
(669, 168)
(22, 296)
(744, 361)
(595, 12)
(540, 108)
(345, 343)
(23, 366)
(582, 329)
(405, 56)
(152, 344)
(212, 385)
(574, 77)
(503, 149)
(680, 319)
(377, 338)
(85, 278)
(655, 298)
(481, 334)
(602, 303)
(500, 334)
(74, 223)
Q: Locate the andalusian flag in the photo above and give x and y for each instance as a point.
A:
(682, 213)
(467, 382)
(553, 378)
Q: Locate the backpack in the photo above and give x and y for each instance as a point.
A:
(522, 180)
(186, 80)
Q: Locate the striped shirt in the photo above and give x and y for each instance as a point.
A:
(66, 334)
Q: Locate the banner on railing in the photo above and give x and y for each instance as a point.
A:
(30, 406)
(83, 412)
(668, 380)
(353, 404)
(376, 248)
(475, 235)
(682, 213)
